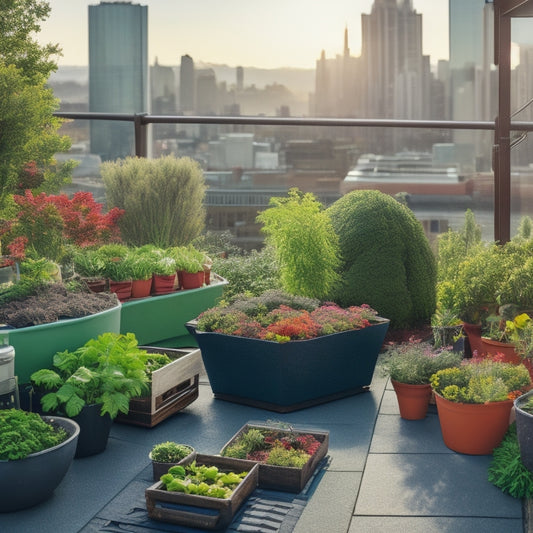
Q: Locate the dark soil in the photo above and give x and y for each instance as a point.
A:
(397, 336)
(52, 303)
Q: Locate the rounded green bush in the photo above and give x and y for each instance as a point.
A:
(387, 259)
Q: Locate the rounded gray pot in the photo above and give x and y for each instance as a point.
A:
(29, 481)
(524, 430)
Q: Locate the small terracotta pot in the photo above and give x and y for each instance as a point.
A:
(121, 288)
(163, 284)
(473, 428)
(192, 280)
(141, 288)
(473, 333)
(413, 400)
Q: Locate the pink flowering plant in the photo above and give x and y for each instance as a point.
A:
(279, 317)
(415, 361)
(274, 447)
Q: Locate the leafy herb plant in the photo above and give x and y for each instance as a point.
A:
(108, 370)
(170, 452)
(24, 433)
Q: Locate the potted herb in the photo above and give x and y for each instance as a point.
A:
(142, 268)
(93, 384)
(190, 267)
(474, 402)
(410, 366)
(90, 265)
(165, 275)
(167, 454)
(33, 448)
(270, 351)
(447, 328)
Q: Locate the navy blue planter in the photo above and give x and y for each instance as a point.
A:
(293, 375)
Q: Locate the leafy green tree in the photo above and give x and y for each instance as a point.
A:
(28, 129)
(387, 260)
(305, 244)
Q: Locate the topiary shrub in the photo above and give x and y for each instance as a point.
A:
(387, 259)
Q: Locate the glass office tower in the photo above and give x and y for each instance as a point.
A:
(118, 73)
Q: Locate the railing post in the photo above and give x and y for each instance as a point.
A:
(141, 143)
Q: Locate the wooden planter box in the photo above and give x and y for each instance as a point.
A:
(202, 511)
(173, 388)
(284, 377)
(286, 478)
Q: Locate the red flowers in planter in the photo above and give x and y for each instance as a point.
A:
(284, 323)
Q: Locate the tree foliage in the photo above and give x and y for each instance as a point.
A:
(28, 129)
(387, 260)
(305, 244)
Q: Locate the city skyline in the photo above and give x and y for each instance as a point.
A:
(302, 29)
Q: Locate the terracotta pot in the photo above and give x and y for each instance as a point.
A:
(492, 347)
(473, 428)
(141, 288)
(192, 280)
(96, 285)
(413, 400)
(121, 288)
(163, 284)
(473, 333)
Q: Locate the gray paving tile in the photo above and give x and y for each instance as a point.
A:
(393, 524)
(332, 504)
(393, 434)
(432, 485)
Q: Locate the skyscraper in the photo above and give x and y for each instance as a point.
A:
(118, 73)
(187, 84)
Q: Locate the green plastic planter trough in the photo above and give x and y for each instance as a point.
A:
(160, 320)
(35, 346)
(284, 377)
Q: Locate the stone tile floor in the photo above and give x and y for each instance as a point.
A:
(384, 474)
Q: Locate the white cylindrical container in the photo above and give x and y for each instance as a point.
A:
(7, 366)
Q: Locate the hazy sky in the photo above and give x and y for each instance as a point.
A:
(268, 34)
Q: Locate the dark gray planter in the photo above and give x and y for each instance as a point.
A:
(27, 482)
(284, 377)
(94, 430)
(524, 430)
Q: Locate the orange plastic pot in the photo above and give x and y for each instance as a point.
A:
(164, 284)
(473, 428)
(413, 400)
(492, 347)
(141, 288)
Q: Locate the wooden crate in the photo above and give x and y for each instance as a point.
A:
(286, 478)
(173, 387)
(202, 511)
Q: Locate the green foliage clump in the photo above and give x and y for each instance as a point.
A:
(162, 199)
(24, 433)
(170, 452)
(282, 457)
(387, 261)
(252, 273)
(506, 470)
(305, 244)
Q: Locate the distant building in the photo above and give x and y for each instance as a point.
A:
(163, 93)
(118, 73)
(187, 84)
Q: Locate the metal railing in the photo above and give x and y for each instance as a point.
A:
(142, 120)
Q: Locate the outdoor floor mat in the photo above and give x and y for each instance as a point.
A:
(265, 510)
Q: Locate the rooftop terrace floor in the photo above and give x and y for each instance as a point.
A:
(383, 473)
